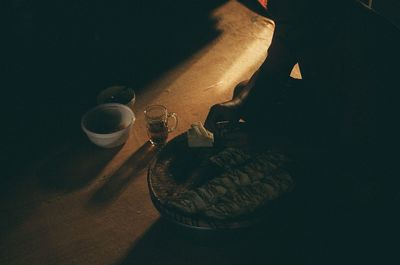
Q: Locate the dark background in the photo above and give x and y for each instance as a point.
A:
(59, 54)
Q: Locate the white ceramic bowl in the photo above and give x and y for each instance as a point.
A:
(108, 125)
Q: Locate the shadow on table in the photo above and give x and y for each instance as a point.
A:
(278, 241)
(166, 243)
(131, 168)
(84, 47)
(74, 167)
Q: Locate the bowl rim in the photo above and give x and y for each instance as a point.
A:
(107, 135)
(109, 90)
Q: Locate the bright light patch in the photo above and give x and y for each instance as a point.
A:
(263, 3)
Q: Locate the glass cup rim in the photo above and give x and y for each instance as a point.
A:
(155, 106)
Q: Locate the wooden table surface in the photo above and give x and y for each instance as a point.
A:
(80, 204)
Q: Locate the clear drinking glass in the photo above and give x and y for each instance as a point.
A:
(157, 117)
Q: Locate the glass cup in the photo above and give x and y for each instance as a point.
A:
(157, 117)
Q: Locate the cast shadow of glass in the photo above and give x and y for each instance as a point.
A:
(130, 169)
